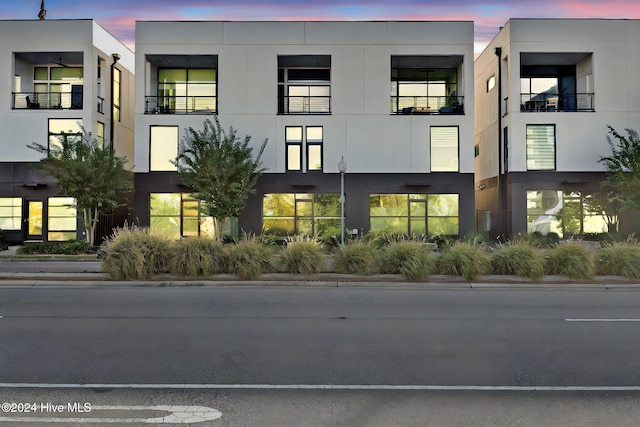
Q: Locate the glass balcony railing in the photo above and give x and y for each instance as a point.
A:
(47, 100)
(304, 105)
(427, 104)
(181, 105)
(551, 102)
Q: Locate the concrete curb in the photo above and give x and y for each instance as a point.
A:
(319, 280)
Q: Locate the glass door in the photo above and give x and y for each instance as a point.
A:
(34, 219)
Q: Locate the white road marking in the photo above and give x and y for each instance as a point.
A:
(602, 320)
(323, 387)
(178, 415)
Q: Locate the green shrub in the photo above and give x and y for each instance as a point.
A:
(410, 258)
(619, 259)
(134, 253)
(518, 258)
(464, 259)
(381, 239)
(540, 240)
(72, 247)
(195, 256)
(357, 258)
(303, 256)
(249, 258)
(3, 245)
(570, 259)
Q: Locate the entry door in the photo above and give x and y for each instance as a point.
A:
(34, 219)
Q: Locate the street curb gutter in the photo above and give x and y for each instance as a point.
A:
(310, 284)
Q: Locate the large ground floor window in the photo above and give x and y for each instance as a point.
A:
(10, 213)
(62, 219)
(177, 215)
(565, 213)
(296, 213)
(415, 214)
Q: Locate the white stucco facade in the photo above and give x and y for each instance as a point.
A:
(597, 60)
(389, 147)
(54, 70)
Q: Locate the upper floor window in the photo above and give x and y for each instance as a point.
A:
(297, 138)
(64, 128)
(444, 149)
(556, 82)
(100, 134)
(425, 85)
(163, 148)
(186, 84)
(187, 90)
(48, 80)
(117, 74)
(541, 147)
(491, 83)
(304, 84)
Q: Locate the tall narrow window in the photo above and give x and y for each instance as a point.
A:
(163, 148)
(100, 134)
(314, 148)
(293, 137)
(116, 94)
(444, 149)
(541, 147)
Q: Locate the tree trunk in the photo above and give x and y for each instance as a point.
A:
(90, 224)
(218, 223)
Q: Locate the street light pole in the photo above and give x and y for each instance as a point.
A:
(342, 167)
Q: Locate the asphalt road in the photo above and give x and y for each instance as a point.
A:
(322, 337)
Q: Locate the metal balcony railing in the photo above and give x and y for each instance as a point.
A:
(47, 100)
(304, 105)
(550, 102)
(181, 105)
(427, 104)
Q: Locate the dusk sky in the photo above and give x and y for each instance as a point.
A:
(119, 16)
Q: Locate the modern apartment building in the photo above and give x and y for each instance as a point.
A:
(545, 91)
(55, 76)
(393, 99)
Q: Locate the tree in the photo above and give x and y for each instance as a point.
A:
(623, 167)
(220, 169)
(90, 173)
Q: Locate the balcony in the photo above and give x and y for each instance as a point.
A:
(553, 102)
(180, 105)
(304, 105)
(48, 100)
(427, 105)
